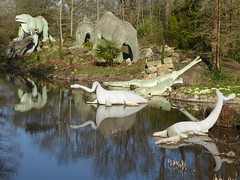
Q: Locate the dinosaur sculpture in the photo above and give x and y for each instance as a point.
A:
(181, 130)
(111, 28)
(28, 24)
(104, 112)
(112, 97)
(168, 78)
(159, 89)
(21, 47)
(84, 32)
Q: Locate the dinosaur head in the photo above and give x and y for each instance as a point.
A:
(23, 18)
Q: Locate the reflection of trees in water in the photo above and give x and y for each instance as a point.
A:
(9, 151)
(119, 155)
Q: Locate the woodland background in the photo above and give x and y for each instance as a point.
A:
(210, 28)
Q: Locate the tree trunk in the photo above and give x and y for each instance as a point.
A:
(60, 22)
(216, 59)
(98, 10)
(72, 18)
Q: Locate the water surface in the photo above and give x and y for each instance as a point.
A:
(37, 141)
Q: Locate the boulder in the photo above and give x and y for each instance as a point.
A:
(146, 53)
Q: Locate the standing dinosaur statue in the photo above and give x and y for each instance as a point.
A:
(181, 130)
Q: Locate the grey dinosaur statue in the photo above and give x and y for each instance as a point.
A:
(28, 24)
(111, 28)
(84, 32)
(147, 86)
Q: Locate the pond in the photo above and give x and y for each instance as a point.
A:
(41, 138)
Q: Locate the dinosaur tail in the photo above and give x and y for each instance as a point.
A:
(51, 38)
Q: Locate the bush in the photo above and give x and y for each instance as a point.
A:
(107, 50)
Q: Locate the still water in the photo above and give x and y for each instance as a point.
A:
(40, 138)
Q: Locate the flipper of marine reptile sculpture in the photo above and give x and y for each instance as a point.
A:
(112, 97)
(181, 130)
(154, 81)
(29, 23)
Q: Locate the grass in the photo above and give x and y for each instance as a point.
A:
(210, 91)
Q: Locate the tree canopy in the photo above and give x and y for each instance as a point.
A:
(208, 27)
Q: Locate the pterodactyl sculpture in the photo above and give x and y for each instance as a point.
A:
(181, 130)
(109, 98)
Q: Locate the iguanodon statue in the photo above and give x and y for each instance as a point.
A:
(181, 130)
(29, 24)
(162, 82)
(109, 98)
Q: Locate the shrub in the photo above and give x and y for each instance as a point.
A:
(107, 50)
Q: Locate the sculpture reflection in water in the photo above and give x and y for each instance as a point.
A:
(116, 125)
(207, 143)
(30, 96)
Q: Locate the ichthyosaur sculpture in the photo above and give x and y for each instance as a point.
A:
(112, 97)
(28, 24)
(157, 85)
(181, 130)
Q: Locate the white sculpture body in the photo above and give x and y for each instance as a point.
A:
(168, 78)
(29, 24)
(180, 130)
(109, 98)
(159, 89)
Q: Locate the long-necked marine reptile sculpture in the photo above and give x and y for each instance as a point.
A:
(111, 97)
(181, 130)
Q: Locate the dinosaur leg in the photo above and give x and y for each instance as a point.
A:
(161, 133)
(169, 140)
